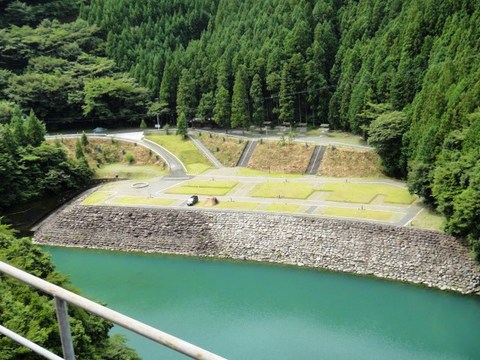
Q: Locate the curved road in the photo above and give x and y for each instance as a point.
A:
(177, 169)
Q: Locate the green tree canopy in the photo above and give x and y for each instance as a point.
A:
(240, 115)
(386, 133)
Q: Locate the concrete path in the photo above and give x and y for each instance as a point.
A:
(177, 169)
(276, 135)
(247, 153)
(316, 159)
(206, 152)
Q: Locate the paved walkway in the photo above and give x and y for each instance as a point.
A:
(247, 153)
(322, 139)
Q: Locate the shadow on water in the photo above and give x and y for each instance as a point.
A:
(25, 216)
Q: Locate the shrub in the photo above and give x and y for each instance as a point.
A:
(130, 158)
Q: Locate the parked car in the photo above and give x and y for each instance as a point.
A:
(99, 130)
(192, 200)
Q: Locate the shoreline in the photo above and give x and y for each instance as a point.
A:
(262, 263)
(389, 252)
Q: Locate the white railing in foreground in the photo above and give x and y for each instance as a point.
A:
(62, 297)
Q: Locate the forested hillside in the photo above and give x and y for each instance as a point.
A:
(59, 69)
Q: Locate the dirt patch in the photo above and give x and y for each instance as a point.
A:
(227, 150)
(108, 151)
(345, 162)
(286, 158)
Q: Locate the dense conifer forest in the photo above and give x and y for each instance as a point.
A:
(404, 74)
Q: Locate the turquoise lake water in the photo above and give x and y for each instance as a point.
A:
(253, 311)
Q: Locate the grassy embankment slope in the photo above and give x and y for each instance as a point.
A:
(112, 158)
(185, 150)
(226, 149)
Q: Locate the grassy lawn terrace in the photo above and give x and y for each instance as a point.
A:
(339, 136)
(429, 219)
(203, 187)
(97, 198)
(232, 205)
(251, 172)
(285, 190)
(282, 207)
(358, 214)
(185, 150)
(123, 171)
(365, 193)
(212, 184)
(141, 200)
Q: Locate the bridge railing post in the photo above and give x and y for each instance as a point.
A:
(64, 326)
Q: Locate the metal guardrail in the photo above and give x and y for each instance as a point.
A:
(62, 297)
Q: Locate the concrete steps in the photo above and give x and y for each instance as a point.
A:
(247, 153)
(316, 159)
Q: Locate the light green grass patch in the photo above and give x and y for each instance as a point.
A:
(204, 187)
(251, 172)
(287, 190)
(190, 190)
(282, 207)
(359, 214)
(365, 193)
(429, 219)
(124, 171)
(212, 184)
(97, 198)
(234, 205)
(395, 195)
(185, 150)
(346, 138)
(141, 200)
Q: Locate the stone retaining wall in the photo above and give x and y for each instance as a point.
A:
(399, 253)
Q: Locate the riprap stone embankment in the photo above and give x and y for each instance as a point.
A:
(390, 252)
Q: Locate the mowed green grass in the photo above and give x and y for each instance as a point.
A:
(97, 198)
(287, 190)
(282, 207)
(233, 205)
(141, 200)
(204, 187)
(185, 150)
(212, 184)
(190, 190)
(358, 214)
(365, 193)
(251, 172)
(430, 220)
(123, 171)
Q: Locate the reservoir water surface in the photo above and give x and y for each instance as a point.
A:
(246, 310)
